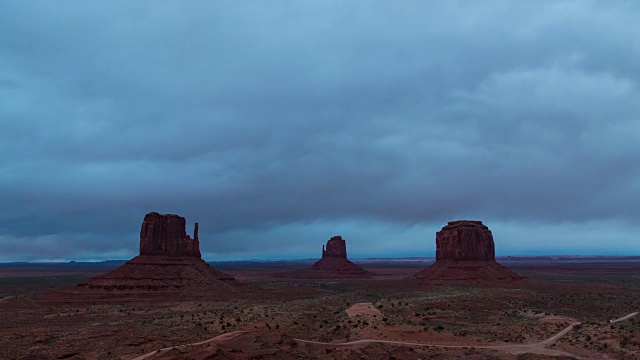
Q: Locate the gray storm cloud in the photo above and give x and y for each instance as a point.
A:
(276, 127)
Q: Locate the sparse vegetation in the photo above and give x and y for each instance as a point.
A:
(468, 315)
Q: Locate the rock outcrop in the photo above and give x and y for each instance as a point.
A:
(465, 240)
(334, 262)
(465, 254)
(166, 235)
(336, 247)
(169, 264)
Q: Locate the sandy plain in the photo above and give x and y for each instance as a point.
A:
(566, 311)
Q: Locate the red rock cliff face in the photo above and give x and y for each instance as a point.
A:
(465, 255)
(336, 247)
(166, 235)
(465, 240)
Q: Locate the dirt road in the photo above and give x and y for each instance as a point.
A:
(538, 348)
(624, 317)
(218, 338)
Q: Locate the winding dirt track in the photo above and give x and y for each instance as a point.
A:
(535, 348)
(218, 338)
(624, 317)
(539, 347)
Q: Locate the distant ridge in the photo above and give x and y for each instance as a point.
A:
(117, 262)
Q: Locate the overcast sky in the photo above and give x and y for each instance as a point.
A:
(279, 124)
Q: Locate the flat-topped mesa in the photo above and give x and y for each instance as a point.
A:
(336, 247)
(166, 235)
(465, 254)
(465, 240)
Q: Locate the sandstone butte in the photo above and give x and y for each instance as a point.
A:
(166, 235)
(465, 254)
(169, 264)
(334, 262)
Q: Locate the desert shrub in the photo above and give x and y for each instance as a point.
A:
(624, 341)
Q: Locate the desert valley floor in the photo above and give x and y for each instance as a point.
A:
(570, 308)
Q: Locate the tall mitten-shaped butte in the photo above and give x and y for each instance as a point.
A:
(334, 262)
(169, 264)
(166, 235)
(336, 247)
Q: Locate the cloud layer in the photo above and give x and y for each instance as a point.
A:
(277, 126)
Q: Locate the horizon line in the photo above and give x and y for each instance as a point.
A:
(41, 261)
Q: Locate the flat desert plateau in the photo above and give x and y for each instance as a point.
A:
(579, 308)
